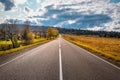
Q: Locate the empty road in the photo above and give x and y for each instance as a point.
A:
(58, 60)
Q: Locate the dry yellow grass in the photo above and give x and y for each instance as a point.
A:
(108, 47)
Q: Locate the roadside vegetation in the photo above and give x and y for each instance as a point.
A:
(107, 47)
(51, 33)
(13, 39)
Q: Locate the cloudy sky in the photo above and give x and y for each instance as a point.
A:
(78, 14)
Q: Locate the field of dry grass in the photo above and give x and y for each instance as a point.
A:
(108, 47)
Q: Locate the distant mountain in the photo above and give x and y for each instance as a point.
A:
(16, 21)
(32, 27)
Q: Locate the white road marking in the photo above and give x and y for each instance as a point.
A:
(98, 57)
(103, 60)
(25, 54)
(12, 60)
(60, 62)
(16, 58)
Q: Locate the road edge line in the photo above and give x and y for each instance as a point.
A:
(96, 56)
(104, 60)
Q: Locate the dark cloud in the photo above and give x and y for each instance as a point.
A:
(8, 4)
(64, 15)
(27, 9)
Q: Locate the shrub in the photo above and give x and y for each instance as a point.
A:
(4, 47)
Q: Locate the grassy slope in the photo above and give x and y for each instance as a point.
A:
(108, 47)
(36, 42)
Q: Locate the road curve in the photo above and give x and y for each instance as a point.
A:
(58, 60)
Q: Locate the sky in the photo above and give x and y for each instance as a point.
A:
(78, 14)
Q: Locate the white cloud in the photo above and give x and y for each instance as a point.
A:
(54, 16)
(71, 21)
(84, 7)
(1, 7)
(96, 28)
(38, 1)
(17, 2)
(88, 7)
(54, 2)
(60, 24)
(2, 20)
(30, 12)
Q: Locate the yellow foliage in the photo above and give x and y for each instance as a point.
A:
(51, 33)
(7, 42)
(36, 42)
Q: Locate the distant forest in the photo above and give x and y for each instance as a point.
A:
(42, 30)
(89, 32)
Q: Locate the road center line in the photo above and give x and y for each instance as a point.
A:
(60, 62)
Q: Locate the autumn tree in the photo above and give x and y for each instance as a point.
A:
(3, 32)
(10, 32)
(28, 35)
(51, 33)
(37, 34)
(13, 35)
(55, 32)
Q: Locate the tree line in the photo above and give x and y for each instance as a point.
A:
(26, 36)
(90, 32)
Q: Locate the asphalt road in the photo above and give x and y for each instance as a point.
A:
(58, 60)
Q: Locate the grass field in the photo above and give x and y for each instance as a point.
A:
(108, 47)
(35, 42)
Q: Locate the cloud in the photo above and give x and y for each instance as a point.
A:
(54, 16)
(17, 2)
(71, 21)
(83, 14)
(115, 1)
(96, 28)
(1, 7)
(38, 1)
(29, 12)
(8, 4)
(27, 9)
(72, 17)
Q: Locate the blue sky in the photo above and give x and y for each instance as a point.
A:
(79, 14)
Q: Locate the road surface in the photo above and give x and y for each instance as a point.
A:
(58, 60)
